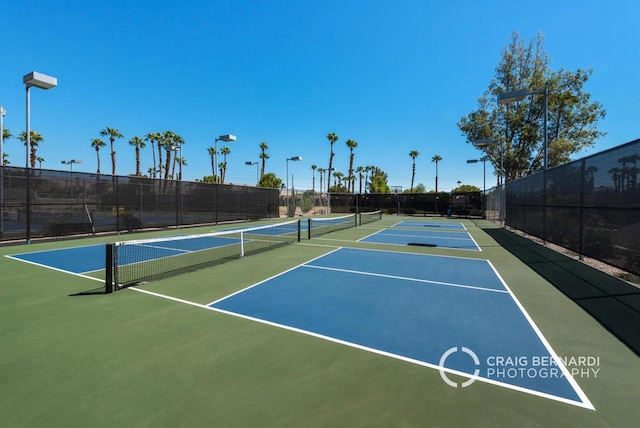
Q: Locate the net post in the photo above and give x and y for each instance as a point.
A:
(356, 219)
(108, 280)
(299, 229)
(309, 228)
(241, 243)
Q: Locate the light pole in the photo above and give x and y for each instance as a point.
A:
(42, 81)
(519, 95)
(71, 162)
(257, 172)
(295, 159)
(226, 138)
(486, 142)
(484, 160)
(513, 96)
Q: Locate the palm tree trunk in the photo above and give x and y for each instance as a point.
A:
(153, 152)
(138, 161)
(98, 156)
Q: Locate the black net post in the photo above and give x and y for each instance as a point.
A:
(309, 228)
(108, 280)
(299, 230)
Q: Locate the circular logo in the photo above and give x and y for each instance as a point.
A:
(443, 373)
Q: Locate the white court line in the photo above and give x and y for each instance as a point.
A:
(404, 278)
(585, 403)
(56, 269)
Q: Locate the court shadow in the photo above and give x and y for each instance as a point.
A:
(614, 303)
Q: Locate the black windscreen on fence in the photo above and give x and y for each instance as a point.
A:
(590, 206)
(48, 203)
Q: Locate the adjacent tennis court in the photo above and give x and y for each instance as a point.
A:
(423, 238)
(397, 317)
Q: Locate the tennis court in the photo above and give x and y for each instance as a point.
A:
(317, 332)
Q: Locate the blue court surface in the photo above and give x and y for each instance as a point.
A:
(426, 238)
(449, 313)
(442, 225)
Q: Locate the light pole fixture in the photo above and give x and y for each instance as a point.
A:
(519, 95)
(226, 138)
(42, 81)
(294, 159)
(257, 172)
(37, 80)
(71, 162)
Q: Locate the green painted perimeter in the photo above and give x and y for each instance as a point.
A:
(131, 359)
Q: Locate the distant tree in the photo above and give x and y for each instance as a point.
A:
(360, 171)
(436, 159)
(321, 171)
(181, 162)
(270, 180)
(6, 134)
(332, 137)
(414, 154)
(313, 182)
(112, 133)
(34, 141)
(379, 182)
(153, 137)
(40, 160)
(212, 155)
(466, 188)
(138, 143)
(224, 151)
(263, 156)
(351, 144)
(518, 127)
(97, 144)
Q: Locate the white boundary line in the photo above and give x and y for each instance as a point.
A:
(584, 404)
(54, 268)
(404, 278)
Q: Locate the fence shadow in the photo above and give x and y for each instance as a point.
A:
(613, 302)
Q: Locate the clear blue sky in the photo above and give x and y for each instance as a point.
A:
(394, 75)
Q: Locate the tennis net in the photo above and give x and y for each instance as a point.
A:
(321, 226)
(370, 217)
(136, 262)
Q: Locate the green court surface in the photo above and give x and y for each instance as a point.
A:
(74, 358)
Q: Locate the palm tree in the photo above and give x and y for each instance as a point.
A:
(6, 134)
(414, 154)
(112, 133)
(152, 137)
(222, 166)
(332, 137)
(40, 160)
(181, 162)
(138, 143)
(177, 142)
(34, 140)
(97, 144)
(212, 154)
(352, 144)
(338, 180)
(224, 151)
(264, 156)
(161, 142)
(321, 172)
(436, 159)
(313, 181)
(360, 170)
